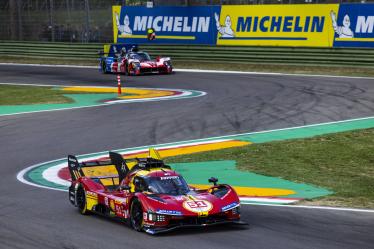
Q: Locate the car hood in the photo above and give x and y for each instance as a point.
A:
(148, 64)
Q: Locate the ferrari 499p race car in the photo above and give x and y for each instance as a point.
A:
(128, 59)
(148, 194)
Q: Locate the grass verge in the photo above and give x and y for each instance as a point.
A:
(258, 67)
(341, 162)
(27, 95)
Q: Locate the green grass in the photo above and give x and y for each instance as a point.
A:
(254, 67)
(29, 95)
(341, 162)
(26, 95)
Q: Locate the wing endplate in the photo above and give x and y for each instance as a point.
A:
(153, 153)
(74, 168)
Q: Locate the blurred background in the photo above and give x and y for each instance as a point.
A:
(89, 20)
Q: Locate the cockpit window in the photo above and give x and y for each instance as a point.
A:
(171, 185)
(140, 56)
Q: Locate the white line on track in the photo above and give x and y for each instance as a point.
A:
(269, 73)
(20, 176)
(206, 71)
(48, 65)
(314, 207)
(195, 141)
(185, 94)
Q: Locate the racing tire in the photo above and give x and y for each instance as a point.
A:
(103, 68)
(127, 69)
(81, 200)
(136, 215)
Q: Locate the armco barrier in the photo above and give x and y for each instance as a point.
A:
(217, 54)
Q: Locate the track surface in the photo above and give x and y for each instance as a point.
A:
(38, 218)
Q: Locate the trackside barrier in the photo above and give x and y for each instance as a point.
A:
(202, 53)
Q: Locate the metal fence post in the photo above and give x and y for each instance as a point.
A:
(51, 20)
(87, 31)
(19, 14)
(12, 13)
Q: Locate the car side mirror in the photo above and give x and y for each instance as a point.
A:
(213, 180)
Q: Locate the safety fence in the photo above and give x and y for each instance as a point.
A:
(352, 57)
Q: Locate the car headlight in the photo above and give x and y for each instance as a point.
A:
(156, 217)
(135, 65)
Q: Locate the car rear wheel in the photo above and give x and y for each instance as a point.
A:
(81, 200)
(136, 215)
(127, 69)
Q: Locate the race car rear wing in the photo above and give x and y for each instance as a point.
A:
(116, 165)
(114, 50)
(120, 165)
(74, 168)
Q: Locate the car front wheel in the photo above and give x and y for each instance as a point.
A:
(136, 215)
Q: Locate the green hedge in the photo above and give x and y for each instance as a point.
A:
(222, 54)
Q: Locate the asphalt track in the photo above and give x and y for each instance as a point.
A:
(33, 217)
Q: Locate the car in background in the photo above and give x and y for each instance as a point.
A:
(128, 59)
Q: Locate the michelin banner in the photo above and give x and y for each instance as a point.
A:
(353, 25)
(172, 25)
(309, 25)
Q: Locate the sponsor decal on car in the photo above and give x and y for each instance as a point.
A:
(91, 194)
(168, 177)
(112, 206)
(168, 212)
(121, 201)
(229, 206)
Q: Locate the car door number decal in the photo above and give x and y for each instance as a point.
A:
(197, 206)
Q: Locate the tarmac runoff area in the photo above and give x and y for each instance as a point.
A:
(100, 96)
(252, 188)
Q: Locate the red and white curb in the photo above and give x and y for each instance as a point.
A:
(55, 174)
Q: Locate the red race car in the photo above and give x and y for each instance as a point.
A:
(149, 195)
(131, 61)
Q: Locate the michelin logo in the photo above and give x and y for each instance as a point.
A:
(225, 30)
(125, 28)
(364, 25)
(164, 24)
(343, 31)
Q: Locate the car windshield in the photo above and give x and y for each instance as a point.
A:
(140, 56)
(171, 185)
